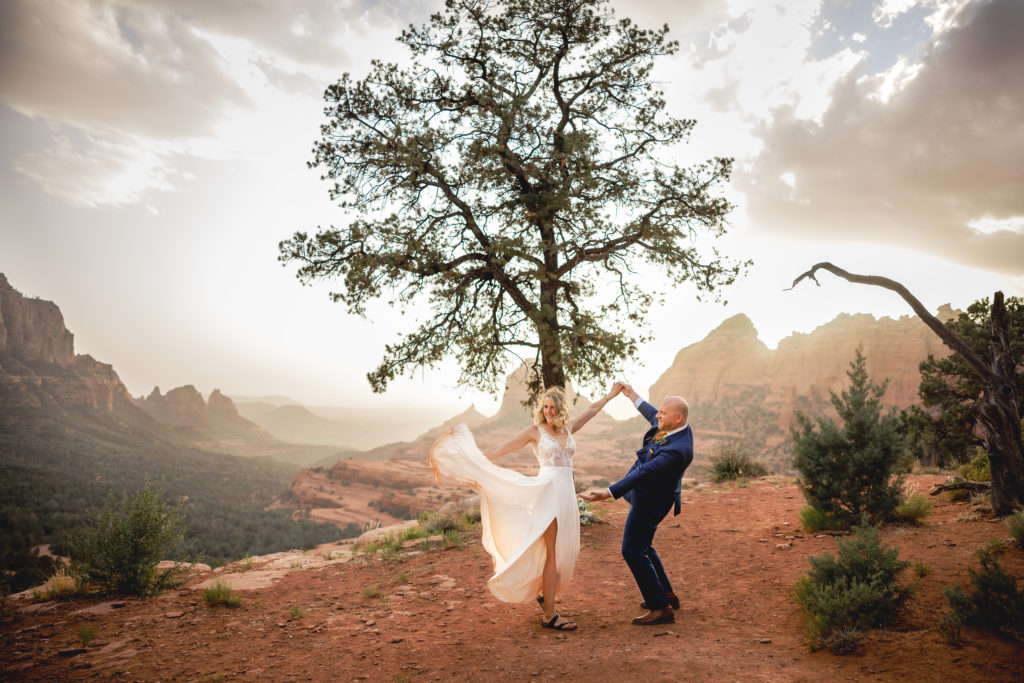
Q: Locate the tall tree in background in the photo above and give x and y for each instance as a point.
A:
(998, 404)
(951, 389)
(510, 178)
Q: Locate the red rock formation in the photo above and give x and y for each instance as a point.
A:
(731, 360)
(32, 330)
(215, 420)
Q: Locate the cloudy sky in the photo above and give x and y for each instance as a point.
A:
(153, 153)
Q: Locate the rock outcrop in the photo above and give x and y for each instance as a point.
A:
(38, 365)
(215, 420)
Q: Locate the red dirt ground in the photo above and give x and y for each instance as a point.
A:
(734, 554)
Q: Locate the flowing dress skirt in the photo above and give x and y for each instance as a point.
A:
(515, 510)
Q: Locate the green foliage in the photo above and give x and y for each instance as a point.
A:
(812, 519)
(519, 160)
(849, 471)
(913, 509)
(53, 480)
(734, 461)
(220, 593)
(452, 538)
(1016, 524)
(993, 601)
(120, 548)
(296, 612)
(950, 389)
(978, 469)
(371, 592)
(86, 632)
(948, 626)
(920, 569)
(60, 586)
(841, 596)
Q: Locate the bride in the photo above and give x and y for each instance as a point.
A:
(531, 525)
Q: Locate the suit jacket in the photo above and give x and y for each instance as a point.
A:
(654, 482)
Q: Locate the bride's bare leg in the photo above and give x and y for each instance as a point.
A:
(550, 576)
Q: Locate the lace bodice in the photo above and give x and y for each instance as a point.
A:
(550, 452)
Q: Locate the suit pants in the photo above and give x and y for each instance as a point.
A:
(641, 557)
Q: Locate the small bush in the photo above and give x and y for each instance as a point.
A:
(920, 569)
(1016, 524)
(296, 612)
(812, 519)
(86, 633)
(60, 586)
(913, 509)
(221, 594)
(734, 461)
(452, 538)
(118, 550)
(859, 589)
(977, 469)
(993, 601)
(948, 627)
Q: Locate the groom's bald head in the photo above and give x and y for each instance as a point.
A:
(673, 413)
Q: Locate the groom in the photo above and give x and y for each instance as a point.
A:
(653, 487)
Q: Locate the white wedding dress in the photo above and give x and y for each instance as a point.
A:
(516, 509)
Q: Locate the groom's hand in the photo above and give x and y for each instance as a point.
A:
(628, 391)
(595, 495)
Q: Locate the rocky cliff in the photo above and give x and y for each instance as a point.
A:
(38, 365)
(739, 388)
(215, 419)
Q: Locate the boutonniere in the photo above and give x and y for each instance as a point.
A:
(662, 441)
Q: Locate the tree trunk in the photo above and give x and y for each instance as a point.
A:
(999, 417)
(998, 406)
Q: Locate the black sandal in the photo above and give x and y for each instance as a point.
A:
(540, 601)
(566, 625)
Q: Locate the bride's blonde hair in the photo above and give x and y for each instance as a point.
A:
(557, 396)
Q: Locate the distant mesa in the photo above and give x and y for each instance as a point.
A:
(214, 420)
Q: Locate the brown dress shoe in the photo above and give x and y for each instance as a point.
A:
(673, 602)
(660, 616)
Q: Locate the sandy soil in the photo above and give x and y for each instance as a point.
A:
(734, 554)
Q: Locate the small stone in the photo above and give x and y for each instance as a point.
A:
(174, 615)
(71, 653)
(782, 546)
(395, 640)
(764, 641)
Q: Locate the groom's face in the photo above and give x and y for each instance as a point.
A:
(671, 414)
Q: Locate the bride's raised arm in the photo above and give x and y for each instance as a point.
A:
(514, 444)
(594, 408)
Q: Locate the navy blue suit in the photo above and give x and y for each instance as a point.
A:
(653, 486)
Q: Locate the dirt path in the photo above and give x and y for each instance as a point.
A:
(734, 554)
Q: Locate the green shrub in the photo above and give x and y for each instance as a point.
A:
(296, 612)
(452, 538)
(846, 472)
(913, 509)
(812, 519)
(841, 596)
(60, 586)
(948, 627)
(920, 569)
(1016, 524)
(86, 632)
(220, 593)
(977, 469)
(993, 601)
(733, 461)
(118, 550)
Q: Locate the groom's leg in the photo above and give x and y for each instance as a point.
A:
(659, 570)
(636, 546)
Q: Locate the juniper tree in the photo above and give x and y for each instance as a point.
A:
(998, 406)
(848, 471)
(504, 184)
